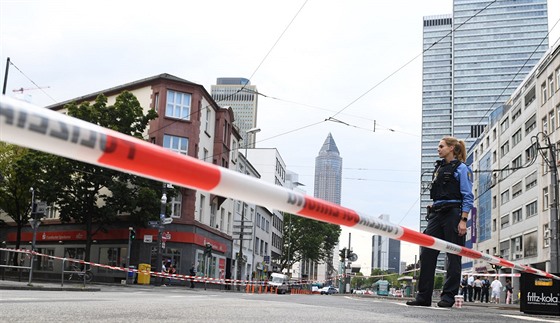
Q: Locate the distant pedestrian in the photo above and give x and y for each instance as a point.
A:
(477, 286)
(509, 291)
(496, 290)
(485, 295)
(470, 282)
(463, 288)
(192, 273)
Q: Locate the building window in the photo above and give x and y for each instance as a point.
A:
(551, 121)
(517, 216)
(494, 202)
(516, 163)
(46, 263)
(504, 125)
(551, 85)
(201, 207)
(517, 246)
(493, 225)
(176, 205)
(505, 197)
(546, 235)
(207, 119)
(504, 149)
(545, 198)
(177, 144)
(213, 210)
(531, 181)
(504, 249)
(545, 124)
(111, 256)
(544, 94)
(530, 153)
(557, 79)
(516, 113)
(530, 124)
(516, 190)
(516, 138)
(504, 221)
(531, 209)
(494, 157)
(178, 105)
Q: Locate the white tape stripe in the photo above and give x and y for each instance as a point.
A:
(19, 119)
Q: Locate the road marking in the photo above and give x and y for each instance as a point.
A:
(529, 318)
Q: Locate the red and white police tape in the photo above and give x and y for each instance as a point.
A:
(52, 132)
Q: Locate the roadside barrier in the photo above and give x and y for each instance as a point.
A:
(42, 129)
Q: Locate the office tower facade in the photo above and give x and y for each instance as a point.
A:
(241, 96)
(473, 60)
(328, 172)
(481, 53)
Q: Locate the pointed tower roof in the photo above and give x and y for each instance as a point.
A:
(329, 147)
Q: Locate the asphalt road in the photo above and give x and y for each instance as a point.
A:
(173, 304)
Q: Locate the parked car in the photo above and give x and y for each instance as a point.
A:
(328, 290)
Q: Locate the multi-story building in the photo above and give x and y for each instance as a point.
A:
(270, 165)
(238, 93)
(386, 252)
(472, 62)
(511, 163)
(189, 123)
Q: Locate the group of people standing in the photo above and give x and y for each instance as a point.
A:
(168, 268)
(477, 289)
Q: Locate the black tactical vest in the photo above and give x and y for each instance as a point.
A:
(444, 184)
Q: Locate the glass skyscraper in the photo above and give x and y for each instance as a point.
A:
(474, 59)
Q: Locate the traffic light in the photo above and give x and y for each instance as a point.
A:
(131, 233)
(208, 250)
(342, 254)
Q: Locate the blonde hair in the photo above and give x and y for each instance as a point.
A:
(459, 149)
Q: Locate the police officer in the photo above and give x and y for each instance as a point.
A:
(452, 196)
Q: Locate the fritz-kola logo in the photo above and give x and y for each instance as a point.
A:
(542, 298)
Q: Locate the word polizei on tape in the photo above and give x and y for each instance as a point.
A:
(52, 132)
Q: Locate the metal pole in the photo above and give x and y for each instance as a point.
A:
(6, 76)
(348, 278)
(553, 210)
(34, 225)
(160, 232)
(240, 254)
(128, 256)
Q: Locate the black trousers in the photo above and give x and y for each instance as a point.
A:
(443, 225)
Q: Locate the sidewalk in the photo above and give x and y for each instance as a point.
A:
(49, 286)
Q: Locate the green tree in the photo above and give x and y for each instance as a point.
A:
(92, 195)
(21, 169)
(307, 239)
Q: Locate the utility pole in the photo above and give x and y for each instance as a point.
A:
(34, 225)
(162, 212)
(240, 253)
(6, 76)
(553, 226)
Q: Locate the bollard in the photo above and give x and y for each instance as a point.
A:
(458, 301)
(247, 288)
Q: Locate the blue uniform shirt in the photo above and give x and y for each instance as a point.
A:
(464, 175)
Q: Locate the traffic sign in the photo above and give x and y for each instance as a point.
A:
(246, 226)
(153, 224)
(353, 257)
(148, 238)
(41, 208)
(167, 220)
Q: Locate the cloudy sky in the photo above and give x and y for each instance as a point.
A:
(357, 61)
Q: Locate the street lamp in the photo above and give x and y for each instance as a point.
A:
(160, 229)
(34, 225)
(250, 131)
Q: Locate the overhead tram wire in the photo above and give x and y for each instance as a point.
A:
(254, 72)
(413, 59)
(480, 122)
(30, 80)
